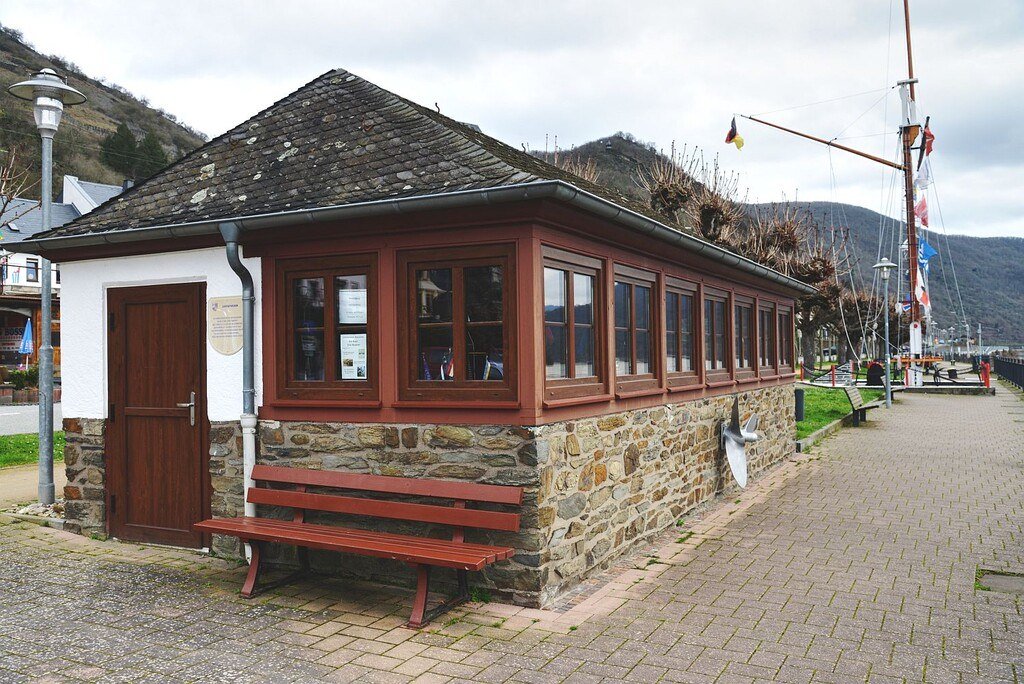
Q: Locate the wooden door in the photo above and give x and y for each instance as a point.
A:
(156, 476)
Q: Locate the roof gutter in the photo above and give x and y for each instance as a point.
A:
(546, 189)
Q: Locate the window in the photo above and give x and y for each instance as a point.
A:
(785, 338)
(680, 332)
(327, 328)
(715, 336)
(460, 324)
(572, 356)
(634, 329)
(743, 327)
(31, 270)
(766, 337)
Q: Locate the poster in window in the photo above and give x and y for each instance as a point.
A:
(352, 307)
(353, 357)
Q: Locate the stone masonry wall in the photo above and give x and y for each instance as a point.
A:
(618, 480)
(84, 461)
(595, 488)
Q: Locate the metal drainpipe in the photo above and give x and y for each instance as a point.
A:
(230, 232)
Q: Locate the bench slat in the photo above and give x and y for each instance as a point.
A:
(338, 539)
(441, 489)
(855, 397)
(460, 517)
(419, 547)
(407, 540)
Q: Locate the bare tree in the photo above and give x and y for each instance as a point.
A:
(587, 170)
(716, 208)
(670, 182)
(15, 180)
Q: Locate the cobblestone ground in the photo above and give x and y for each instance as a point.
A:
(856, 563)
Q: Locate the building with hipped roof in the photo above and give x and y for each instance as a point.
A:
(429, 302)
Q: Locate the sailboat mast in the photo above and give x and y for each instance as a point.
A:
(909, 130)
(910, 52)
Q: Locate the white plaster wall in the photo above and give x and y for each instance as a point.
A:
(84, 331)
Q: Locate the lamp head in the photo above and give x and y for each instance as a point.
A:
(49, 93)
(884, 266)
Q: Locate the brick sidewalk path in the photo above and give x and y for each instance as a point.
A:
(856, 563)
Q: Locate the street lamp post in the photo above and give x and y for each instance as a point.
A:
(884, 267)
(49, 93)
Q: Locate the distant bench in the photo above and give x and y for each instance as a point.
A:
(860, 409)
(421, 552)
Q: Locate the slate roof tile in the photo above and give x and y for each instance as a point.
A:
(337, 140)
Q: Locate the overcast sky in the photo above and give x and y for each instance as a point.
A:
(663, 71)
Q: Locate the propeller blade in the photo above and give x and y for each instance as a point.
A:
(737, 457)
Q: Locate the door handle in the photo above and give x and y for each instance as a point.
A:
(191, 406)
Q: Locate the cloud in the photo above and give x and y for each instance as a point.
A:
(662, 70)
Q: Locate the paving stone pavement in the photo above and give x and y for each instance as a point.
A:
(855, 563)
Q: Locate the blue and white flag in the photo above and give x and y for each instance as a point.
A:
(924, 253)
(26, 339)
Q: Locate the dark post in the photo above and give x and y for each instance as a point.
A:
(799, 405)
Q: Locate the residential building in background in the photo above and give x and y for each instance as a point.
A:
(20, 284)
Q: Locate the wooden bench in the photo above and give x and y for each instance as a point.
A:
(422, 553)
(860, 409)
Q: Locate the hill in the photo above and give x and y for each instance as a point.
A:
(83, 127)
(990, 271)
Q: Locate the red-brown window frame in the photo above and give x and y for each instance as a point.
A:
(786, 365)
(680, 379)
(413, 390)
(328, 267)
(717, 376)
(747, 371)
(556, 389)
(638, 383)
(772, 339)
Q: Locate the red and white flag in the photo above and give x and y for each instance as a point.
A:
(921, 211)
(921, 292)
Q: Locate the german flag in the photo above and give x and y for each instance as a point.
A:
(734, 137)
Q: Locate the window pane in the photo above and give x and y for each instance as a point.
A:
(309, 355)
(672, 345)
(621, 305)
(483, 293)
(434, 295)
(686, 319)
(643, 352)
(485, 352)
(585, 352)
(672, 331)
(739, 325)
(556, 351)
(554, 295)
(308, 299)
(709, 334)
(642, 297)
(720, 343)
(623, 353)
(583, 298)
(435, 352)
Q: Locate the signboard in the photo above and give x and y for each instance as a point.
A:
(224, 324)
(10, 338)
(353, 357)
(352, 307)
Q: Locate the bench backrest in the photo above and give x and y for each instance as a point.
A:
(854, 395)
(456, 514)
